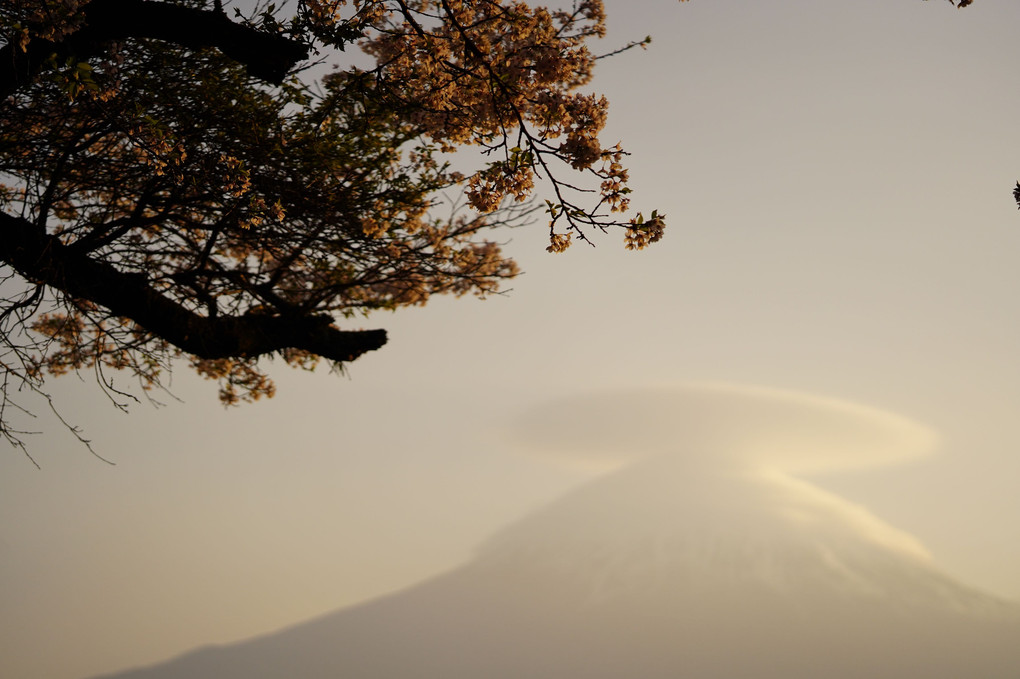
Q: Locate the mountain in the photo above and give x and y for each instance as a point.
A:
(666, 568)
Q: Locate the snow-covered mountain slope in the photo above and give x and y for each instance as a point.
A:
(663, 529)
(663, 569)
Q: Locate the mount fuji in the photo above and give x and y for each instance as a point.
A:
(670, 567)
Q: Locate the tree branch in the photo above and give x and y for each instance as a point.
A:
(42, 258)
(268, 56)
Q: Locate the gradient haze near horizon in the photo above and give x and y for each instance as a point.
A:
(836, 177)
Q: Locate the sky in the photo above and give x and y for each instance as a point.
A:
(837, 182)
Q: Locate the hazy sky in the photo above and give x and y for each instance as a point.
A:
(837, 179)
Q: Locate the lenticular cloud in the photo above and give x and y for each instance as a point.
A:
(721, 424)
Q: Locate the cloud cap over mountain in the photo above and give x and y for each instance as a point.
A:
(715, 424)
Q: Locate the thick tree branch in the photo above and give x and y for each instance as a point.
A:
(42, 258)
(267, 56)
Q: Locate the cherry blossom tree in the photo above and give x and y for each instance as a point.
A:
(174, 185)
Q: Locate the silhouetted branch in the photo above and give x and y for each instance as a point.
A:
(267, 56)
(42, 258)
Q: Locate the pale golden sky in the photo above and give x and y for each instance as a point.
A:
(837, 179)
